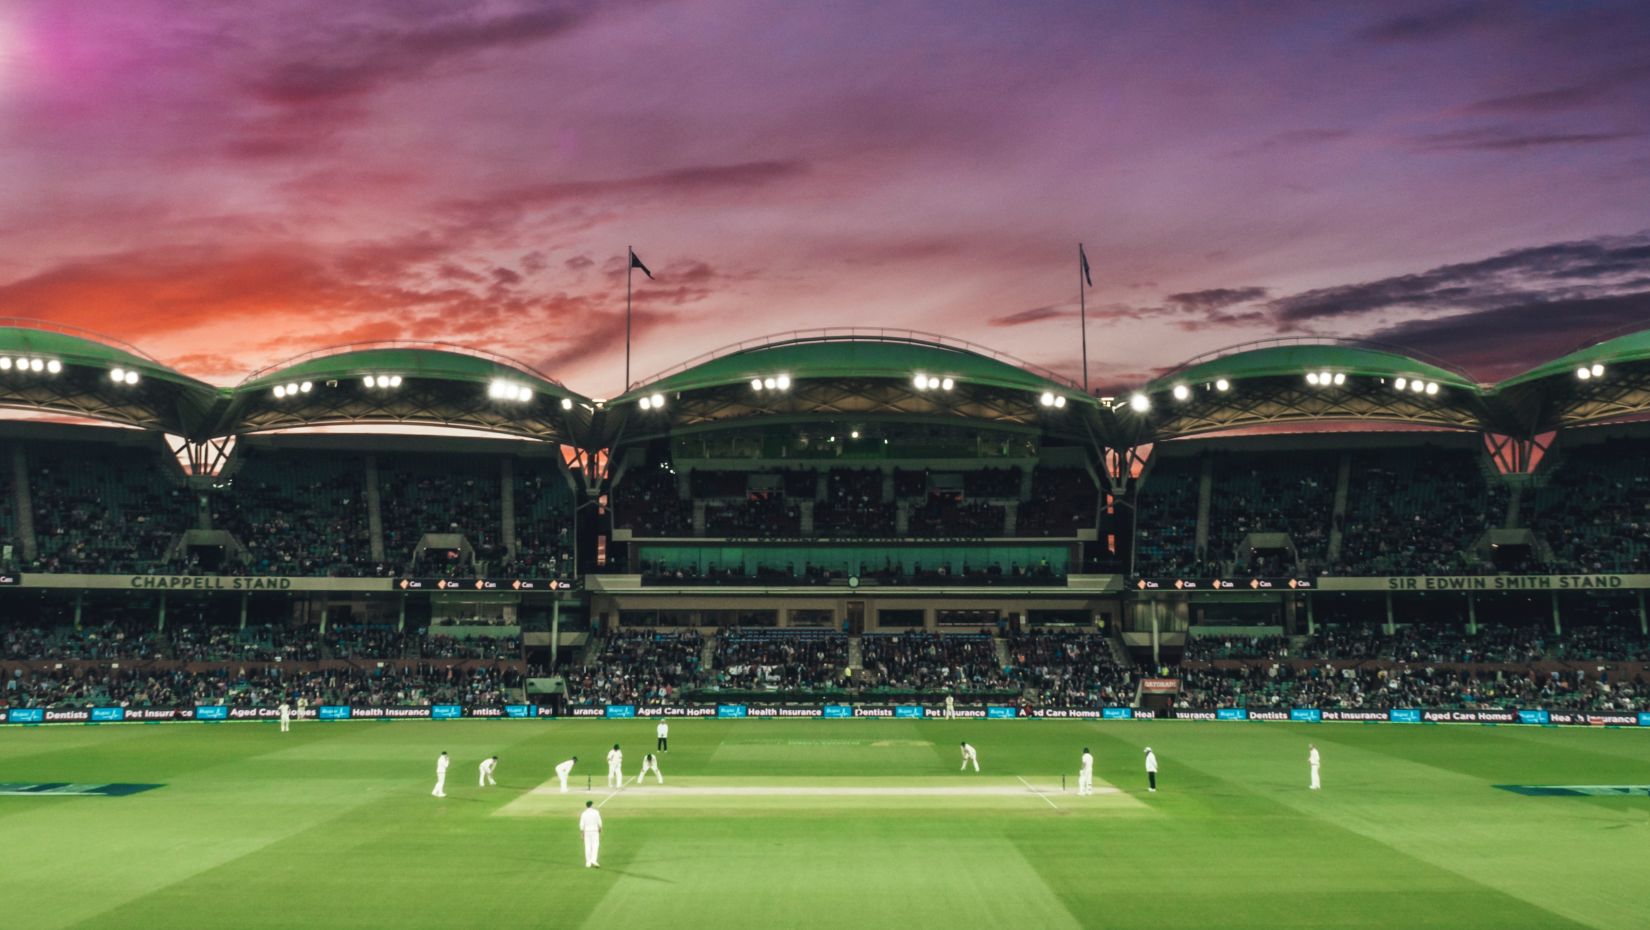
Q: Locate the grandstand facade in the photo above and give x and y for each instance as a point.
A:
(888, 516)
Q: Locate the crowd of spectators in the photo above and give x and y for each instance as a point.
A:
(1165, 527)
(933, 662)
(638, 667)
(413, 684)
(766, 659)
(440, 494)
(103, 508)
(1209, 648)
(853, 506)
(297, 514)
(1594, 511)
(1282, 686)
(648, 502)
(440, 646)
(1062, 502)
(1069, 669)
(1416, 511)
(949, 516)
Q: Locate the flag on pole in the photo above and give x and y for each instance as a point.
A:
(637, 263)
(1082, 256)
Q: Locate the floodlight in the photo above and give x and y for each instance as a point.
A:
(280, 390)
(1417, 386)
(1181, 392)
(395, 381)
(1059, 400)
(1047, 399)
(658, 401)
(1432, 388)
(132, 377)
(305, 387)
(1221, 384)
(567, 403)
(947, 384)
(783, 382)
(54, 366)
(770, 383)
(36, 365)
(756, 384)
(1311, 377)
(1584, 372)
(921, 381)
(854, 434)
(5, 363)
(1401, 383)
(1597, 370)
(370, 381)
(524, 393)
(1140, 403)
(117, 375)
(1340, 378)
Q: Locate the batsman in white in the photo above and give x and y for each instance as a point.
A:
(969, 755)
(615, 767)
(1085, 774)
(563, 770)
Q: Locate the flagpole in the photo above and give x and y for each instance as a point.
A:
(1083, 316)
(629, 265)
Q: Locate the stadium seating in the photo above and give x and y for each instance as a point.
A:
(1594, 511)
(1416, 511)
(298, 514)
(103, 508)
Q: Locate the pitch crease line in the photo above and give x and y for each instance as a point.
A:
(1038, 793)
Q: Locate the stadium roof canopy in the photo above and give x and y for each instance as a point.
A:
(863, 374)
(1605, 380)
(425, 384)
(47, 366)
(1299, 380)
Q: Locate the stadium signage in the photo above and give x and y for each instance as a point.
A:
(1604, 582)
(621, 711)
(108, 714)
(446, 712)
(1067, 713)
(212, 712)
(1116, 713)
(1482, 716)
(1270, 715)
(211, 582)
(1306, 715)
(1231, 713)
(732, 710)
(1225, 584)
(333, 712)
(1346, 715)
(1002, 713)
(786, 712)
(837, 711)
(909, 711)
(1404, 715)
(1160, 685)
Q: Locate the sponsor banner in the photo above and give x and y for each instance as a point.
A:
(837, 711)
(7, 579)
(1533, 716)
(1593, 719)
(68, 716)
(1068, 713)
(1306, 715)
(153, 714)
(1580, 791)
(1160, 685)
(59, 789)
(108, 714)
(1269, 715)
(382, 713)
(446, 711)
(1116, 713)
(915, 711)
(1361, 715)
(213, 712)
(482, 584)
(1001, 713)
(332, 712)
(1145, 715)
(1193, 713)
(620, 711)
(1231, 713)
(1404, 715)
(1487, 583)
(579, 711)
(732, 710)
(520, 711)
(783, 712)
(1644, 719)
(1475, 716)
(1225, 584)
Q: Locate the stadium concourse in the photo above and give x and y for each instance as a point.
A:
(850, 518)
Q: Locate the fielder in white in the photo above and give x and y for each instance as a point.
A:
(487, 767)
(441, 762)
(286, 717)
(564, 770)
(1085, 774)
(615, 767)
(663, 732)
(968, 755)
(650, 763)
(590, 824)
(1312, 759)
(950, 707)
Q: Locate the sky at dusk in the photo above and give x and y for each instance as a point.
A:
(230, 184)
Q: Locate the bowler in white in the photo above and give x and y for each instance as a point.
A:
(590, 824)
(1313, 760)
(487, 767)
(441, 762)
(1085, 774)
(564, 770)
(615, 767)
(650, 763)
(969, 755)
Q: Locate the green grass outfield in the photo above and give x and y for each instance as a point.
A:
(825, 823)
